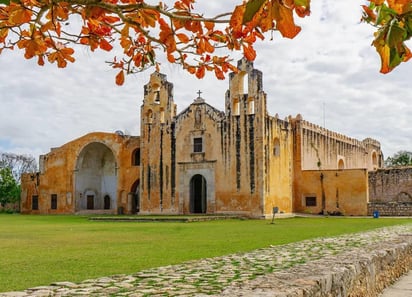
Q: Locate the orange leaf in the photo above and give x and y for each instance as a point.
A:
(171, 58)
(384, 52)
(166, 36)
(105, 45)
(3, 34)
(18, 15)
(40, 60)
(219, 73)
(183, 37)
(249, 52)
(209, 25)
(400, 6)
(208, 47)
(200, 73)
(191, 69)
(236, 21)
(284, 21)
(120, 78)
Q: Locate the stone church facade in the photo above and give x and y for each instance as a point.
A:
(206, 161)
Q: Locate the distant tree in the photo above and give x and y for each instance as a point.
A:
(47, 30)
(401, 158)
(9, 188)
(18, 164)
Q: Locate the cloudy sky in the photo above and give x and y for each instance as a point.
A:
(329, 73)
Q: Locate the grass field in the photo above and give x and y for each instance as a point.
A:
(38, 250)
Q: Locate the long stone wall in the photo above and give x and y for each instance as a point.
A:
(360, 273)
(390, 192)
(393, 209)
(391, 185)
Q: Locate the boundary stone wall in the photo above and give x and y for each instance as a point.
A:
(397, 209)
(364, 273)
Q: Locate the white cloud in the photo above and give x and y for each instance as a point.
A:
(328, 73)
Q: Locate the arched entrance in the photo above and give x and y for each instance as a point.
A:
(198, 191)
(135, 191)
(95, 178)
(107, 202)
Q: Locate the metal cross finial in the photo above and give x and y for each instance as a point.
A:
(199, 92)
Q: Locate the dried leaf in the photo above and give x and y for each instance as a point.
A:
(120, 78)
(252, 7)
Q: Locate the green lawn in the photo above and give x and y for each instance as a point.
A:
(38, 250)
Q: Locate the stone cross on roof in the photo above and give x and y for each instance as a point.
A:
(199, 99)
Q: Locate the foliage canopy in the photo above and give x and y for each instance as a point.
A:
(9, 189)
(47, 30)
(401, 158)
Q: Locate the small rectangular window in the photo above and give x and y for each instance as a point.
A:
(197, 145)
(35, 202)
(53, 201)
(310, 201)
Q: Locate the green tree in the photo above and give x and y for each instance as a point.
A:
(401, 158)
(9, 188)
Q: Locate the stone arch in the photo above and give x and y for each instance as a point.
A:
(403, 197)
(154, 95)
(236, 107)
(136, 157)
(95, 177)
(341, 164)
(198, 194)
(149, 116)
(276, 147)
(135, 193)
(106, 202)
(162, 115)
(375, 160)
(243, 83)
(251, 105)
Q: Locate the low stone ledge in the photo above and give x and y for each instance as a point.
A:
(361, 273)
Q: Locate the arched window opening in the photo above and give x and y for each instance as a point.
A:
(244, 83)
(155, 94)
(276, 147)
(341, 164)
(149, 116)
(162, 116)
(236, 107)
(107, 202)
(136, 157)
(251, 106)
(374, 160)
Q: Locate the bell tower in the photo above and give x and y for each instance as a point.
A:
(156, 144)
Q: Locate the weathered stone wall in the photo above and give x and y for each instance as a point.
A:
(390, 192)
(394, 209)
(391, 185)
(364, 273)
